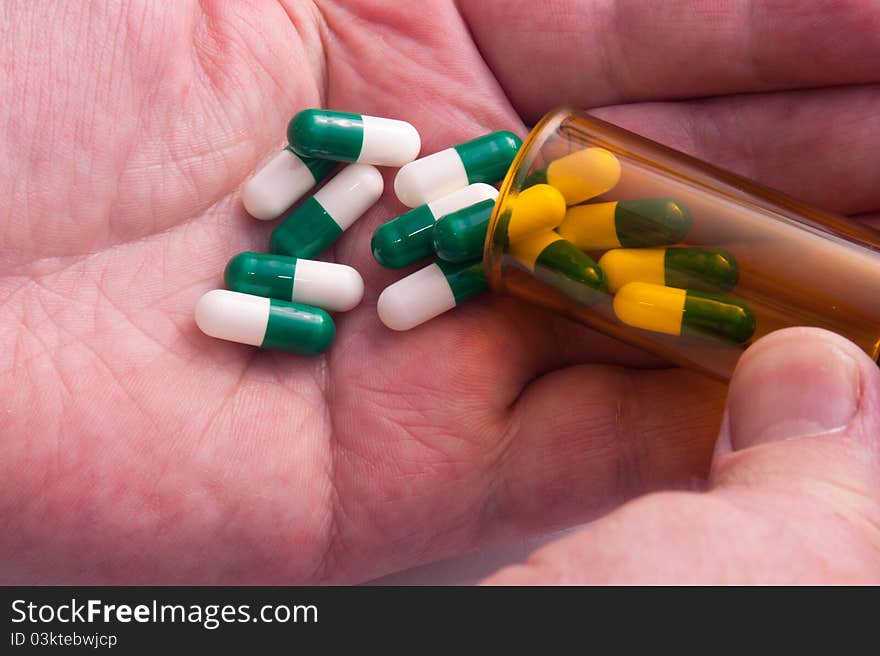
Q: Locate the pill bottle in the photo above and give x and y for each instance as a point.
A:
(671, 254)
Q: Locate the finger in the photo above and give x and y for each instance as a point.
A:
(799, 452)
(592, 54)
(575, 444)
(809, 400)
(585, 439)
(794, 480)
(819, 146)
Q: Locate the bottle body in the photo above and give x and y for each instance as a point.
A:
(673, 255)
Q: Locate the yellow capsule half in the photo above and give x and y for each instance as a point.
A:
(536, 209)
(623, 265)
(700, 269)
(581, 175)
(651, 307)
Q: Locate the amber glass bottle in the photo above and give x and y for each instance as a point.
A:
(674, 255)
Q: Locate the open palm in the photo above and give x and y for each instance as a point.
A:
(135, 449)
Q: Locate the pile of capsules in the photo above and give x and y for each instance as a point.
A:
(279, 300)
(553, 232)
(553, 228)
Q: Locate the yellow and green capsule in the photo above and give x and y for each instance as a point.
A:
(700, 269)
(559, 264)
(675, 311)
(581, 175)
(626, 223)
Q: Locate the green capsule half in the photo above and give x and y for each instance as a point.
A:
(700, 269)
(465, 279)
(626, 224)
(405, 239)
(559, 264)
(460, 236)
(487, 158)
(305, 232)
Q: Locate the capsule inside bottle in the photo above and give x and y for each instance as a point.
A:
(682, 259)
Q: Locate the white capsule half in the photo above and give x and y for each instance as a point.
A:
(415, 299)
(278, 185)
(334, 287)
(233, 316)
(350, 193)
(458, 200)
(388, 142)
(430, 178)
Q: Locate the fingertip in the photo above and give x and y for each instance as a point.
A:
(813, 342)
(795, 383)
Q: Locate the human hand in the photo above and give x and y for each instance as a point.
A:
(792, 498)
(137, 450)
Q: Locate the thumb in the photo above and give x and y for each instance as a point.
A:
(803, 404)
(794, 494)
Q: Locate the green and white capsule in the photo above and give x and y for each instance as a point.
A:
(484, 159)
(429, 292)
(334, 287)
(562, 266)
(269, 323)
(700, 269)
(282, 182)
(460, 236)
(320, 220)
(345, 137)
(626, 223)
(681, 312)
(408, 238)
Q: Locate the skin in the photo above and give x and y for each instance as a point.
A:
(133, 449)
